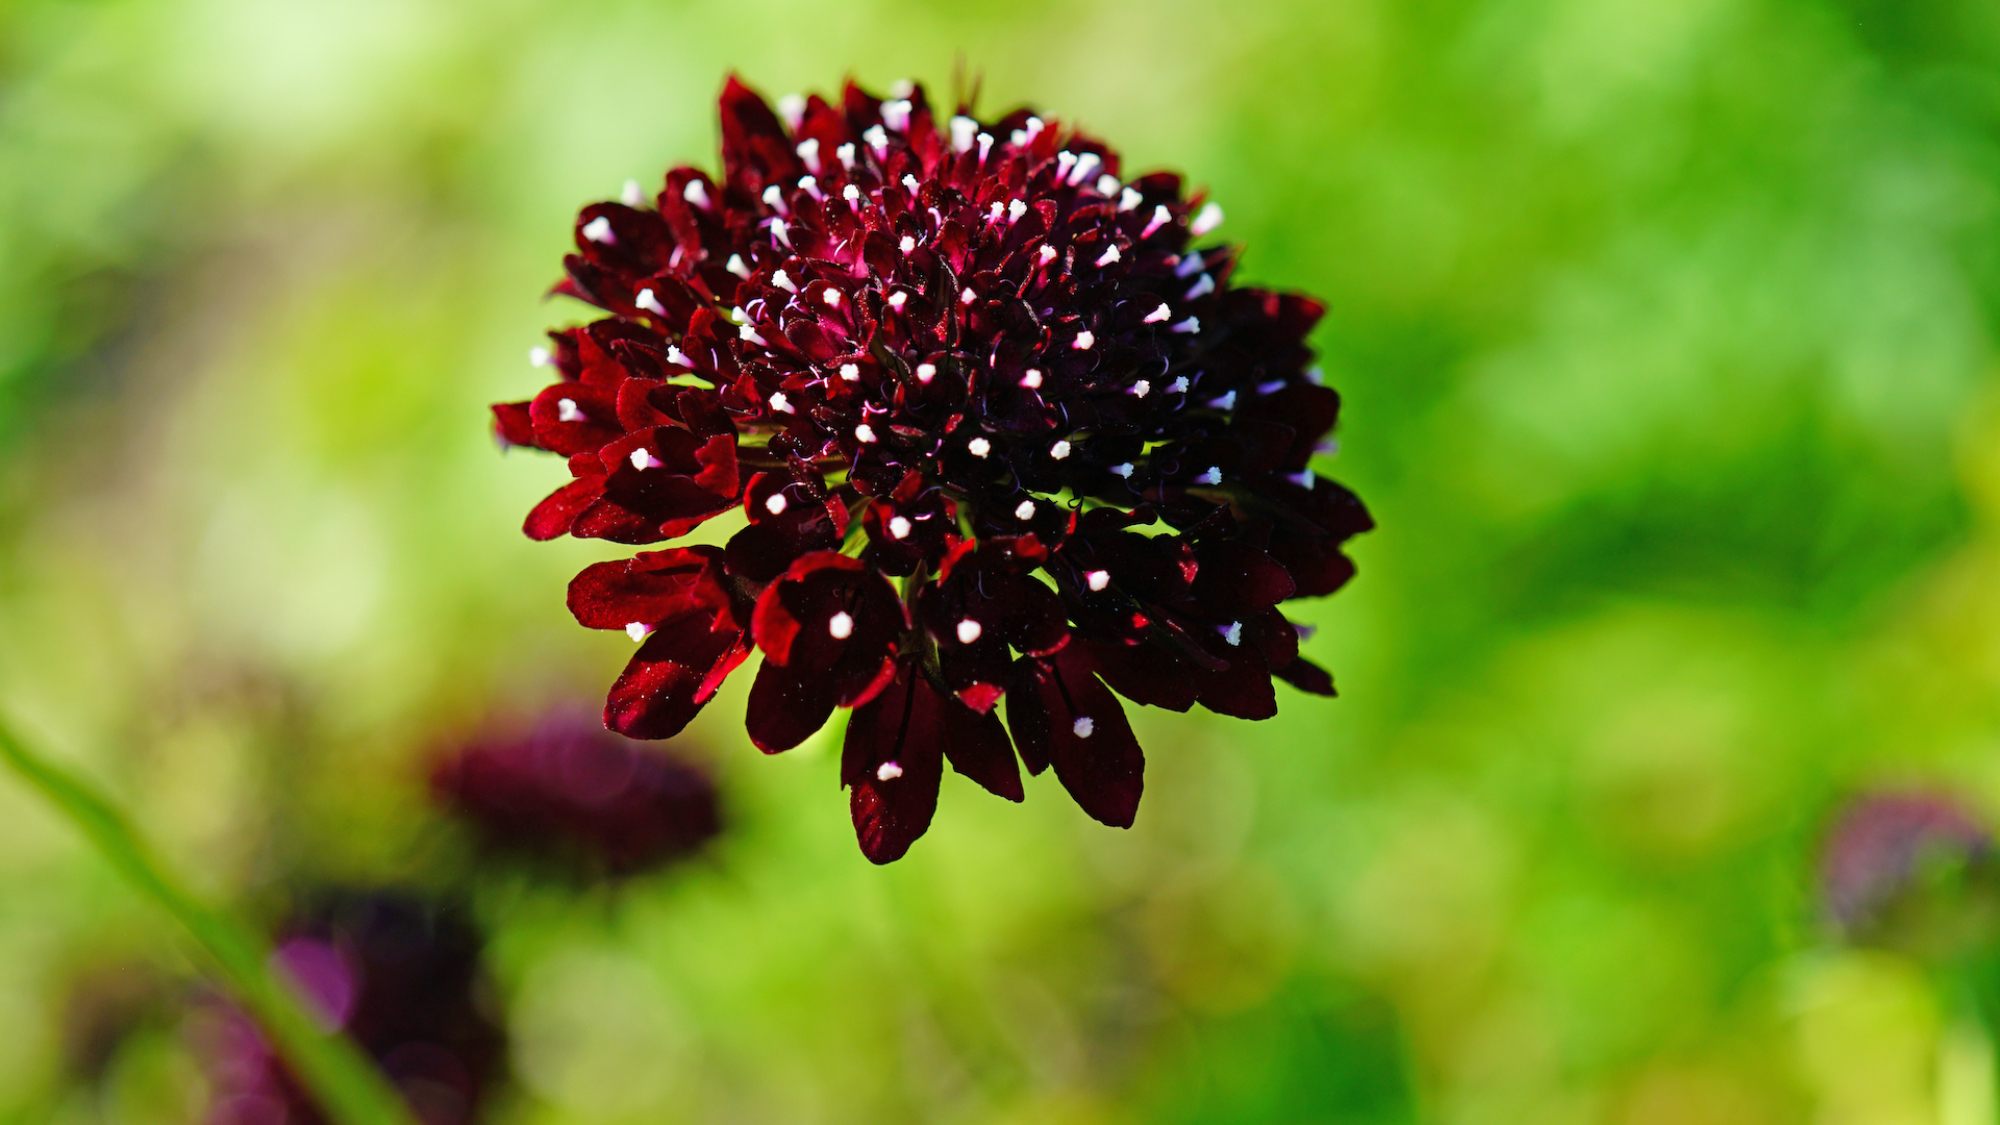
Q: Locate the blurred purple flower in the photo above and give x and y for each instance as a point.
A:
(1881, 849)
(568, 789)
(399, 975)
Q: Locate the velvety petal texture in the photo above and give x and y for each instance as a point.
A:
(1004, 436)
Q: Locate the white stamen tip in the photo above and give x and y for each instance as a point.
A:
(1233, 634)
(910, 184)
(896, 300)
(1315, 376)
(810, 186)
(677, 356)
(1124, 470)
(846, 154)
(830, 297)
(792, 107)
(878, 139)
(1107, 185)
(1209, 218)
(899, 527)
(1048, 254)
(1025, 510)
(997, 210)
(968, 631)
(643, 459)
(1032, 380)
(864, 432)
(781, 404)
(781, 232)
(567, 411)
(979, 447)
(696, 193)
(1065, 160)
(896, 115)
(774, 198)
(1084, 340)
(1086, 166)
(963, 129)
(1212, 476)
(783, 280)
(1272, 387)
(1304, 479)
(985, 146)
(1016, 209)
(850, 193)
(840, 626)
(1191, 324)
(1161, 217)
(851, 372)
(1159, 314)
(1033, 127)
(966, 296)
(888, 771)
(1082, 727)
(1226, 402)
(908, 244)
(776, 504)
(1098, 579)
(638, 630)
(650, 303)
(1109, 256)
(1179, 386)
(599, 230)
(1142, 388)
(809, 152)
(1059, 450)
(749, 334)
(1129, 200)
(902, 88)
(736, 266)
(633, 195)
(1192, 263)
(540, 357)
(926, 372)
(1200, 288)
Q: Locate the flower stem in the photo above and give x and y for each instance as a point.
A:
(342, 1079)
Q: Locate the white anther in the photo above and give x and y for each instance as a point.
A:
(1107, 185)
(1019, 138)
(637, 630)
(985, 146)
(979, 447)
(910, 184)
(749, 333)
(540, 357)
(926, 372)
(1330, 447)
(1191, 324)
(846, 154)
(1083, 341)
(1032, 379)
(738, 316)
(1048, 254)
(1129, 200)
(643, 459)
(1201, 288)
(632, 195)
(1086, 166)
(1098, 579)
(877, 139)
(908, 244)
(567, 411)
(1209, 218)
(997, 210)
(851, 372)
(1065, 160)
(1059, 450)
(830, 297)
(781, 232)
(1016, 209)
(1315, 376)
(783, 280)
(896, 115)
(781, 404)
(736, 266)
(1082, 727)
(888, 771)
(1192, 263)
(650, 303)
(1212, 476)
(776, 504)
(1271, 387)
(963, 129)
(968, 631)
(1142, 387)
(1124, 470)
(599, 230)
(1233, 634)
(850, 193)
(696, 193)
(1109, 256)
(1226, 402)
(864, 432)
(1159, 314)
(809, 152)
(1179, 386)
(792, 107)
(902, 88)
(840, 626)
(1161, 217)
(810, 186)
(774, 198)
(1025, 510)
(1304, 479)
(896, 300)
(899, 527)
(966, 296)
(677, 356)
(1033, 127)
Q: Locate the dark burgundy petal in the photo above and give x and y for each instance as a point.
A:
(1306, 676)
(786, 708)
(1145, 673)
(1238, 579)
(555, 515)
(513, 424)
(652, 587)
(672, 677)
(1089, 741)
(891, 763)
(976, 744)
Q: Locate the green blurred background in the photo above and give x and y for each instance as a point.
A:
(1666, 331)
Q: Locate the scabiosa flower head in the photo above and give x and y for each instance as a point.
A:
(999, 426)
(399, 975)
(1895, 865)
(567, 791)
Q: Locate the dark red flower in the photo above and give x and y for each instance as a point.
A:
(1882, 847)
(996, 423)
(568, 791)
(399, 975)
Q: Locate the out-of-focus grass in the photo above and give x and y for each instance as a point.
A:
(1666, 335)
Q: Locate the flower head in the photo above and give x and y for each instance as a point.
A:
(567, 790)
(400, 976)
(999, 427)
(1901, 868)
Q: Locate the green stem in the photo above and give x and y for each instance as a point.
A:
(343, 1080)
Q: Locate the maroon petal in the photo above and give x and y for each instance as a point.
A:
(514, 425)
(978, 747)
(1304, 675)
(890, 762)
(557, 513)
(1068, 717)
(673, 675)
(650, 588)
(786, 708)
(1145, 674)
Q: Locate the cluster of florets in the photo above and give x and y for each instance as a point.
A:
(998, 428)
